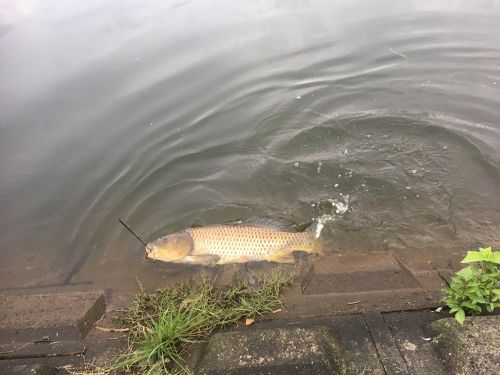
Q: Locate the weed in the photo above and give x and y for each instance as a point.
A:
(162, 325)
(475, 289)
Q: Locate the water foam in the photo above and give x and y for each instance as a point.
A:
(340, 207)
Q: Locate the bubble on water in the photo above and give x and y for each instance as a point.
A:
(319, 167)
(408, 188)
(413, 171)
(296, 164)
(336, 185)
(298, 97)
(341, 207)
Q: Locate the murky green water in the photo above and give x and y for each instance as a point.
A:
(169, 114)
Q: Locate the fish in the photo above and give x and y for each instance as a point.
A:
(253, 240)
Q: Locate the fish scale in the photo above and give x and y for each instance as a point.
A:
(262, 239)
(232, 242)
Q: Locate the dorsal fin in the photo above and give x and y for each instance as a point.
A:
(267, 223)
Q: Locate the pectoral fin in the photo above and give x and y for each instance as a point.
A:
(201, 259)
(281, 257)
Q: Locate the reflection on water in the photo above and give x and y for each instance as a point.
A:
(181, 113)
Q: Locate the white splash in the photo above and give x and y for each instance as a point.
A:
(319, 167)
(322, 220)
(340, 206)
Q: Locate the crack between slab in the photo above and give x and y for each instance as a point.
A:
(393, 342)
(43, 355)
(396, 344)
(374, 344)
(440, 275)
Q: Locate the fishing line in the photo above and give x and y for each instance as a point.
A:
(135, 235)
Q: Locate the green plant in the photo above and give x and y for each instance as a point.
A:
(475, 289)
(163, 324)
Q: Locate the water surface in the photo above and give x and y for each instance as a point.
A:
(383, 115)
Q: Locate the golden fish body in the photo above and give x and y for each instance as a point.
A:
(232, 243)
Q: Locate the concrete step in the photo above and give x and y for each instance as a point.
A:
(396, 343)
(349, 283)
(47, 324)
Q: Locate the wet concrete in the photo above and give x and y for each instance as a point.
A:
(287, 350)
(471, 349)
(347, 314)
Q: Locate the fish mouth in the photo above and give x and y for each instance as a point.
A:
(149, 250)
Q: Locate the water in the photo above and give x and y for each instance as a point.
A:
(382, 118)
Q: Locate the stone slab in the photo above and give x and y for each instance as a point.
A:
(357, 273)
(41, 349)
(43, 366)
(471, 349)
(300, 305)
(360, 282)
(273, 351)
(37, 325)
(413, 340)
(351, 333)
(430, 280)
(357, 262)
(386, 347)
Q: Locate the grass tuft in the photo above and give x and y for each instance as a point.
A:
(163, 324)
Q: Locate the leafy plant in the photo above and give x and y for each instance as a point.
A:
(475, 289)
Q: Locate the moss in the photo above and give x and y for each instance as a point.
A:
(337, 352)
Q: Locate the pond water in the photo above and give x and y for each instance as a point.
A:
(381, 118)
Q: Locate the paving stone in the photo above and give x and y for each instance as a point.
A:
(47, 325)
(42, 366)
(273, 351)
(347, 263)
(430, 280)
(363, 272)
(413, 339)
(386, 347)
(470, 349)
(299, 305)
(351, 333)
(41, 349)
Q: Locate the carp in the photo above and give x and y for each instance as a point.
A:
(255, 240)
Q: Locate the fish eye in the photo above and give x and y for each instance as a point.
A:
(165, 240)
